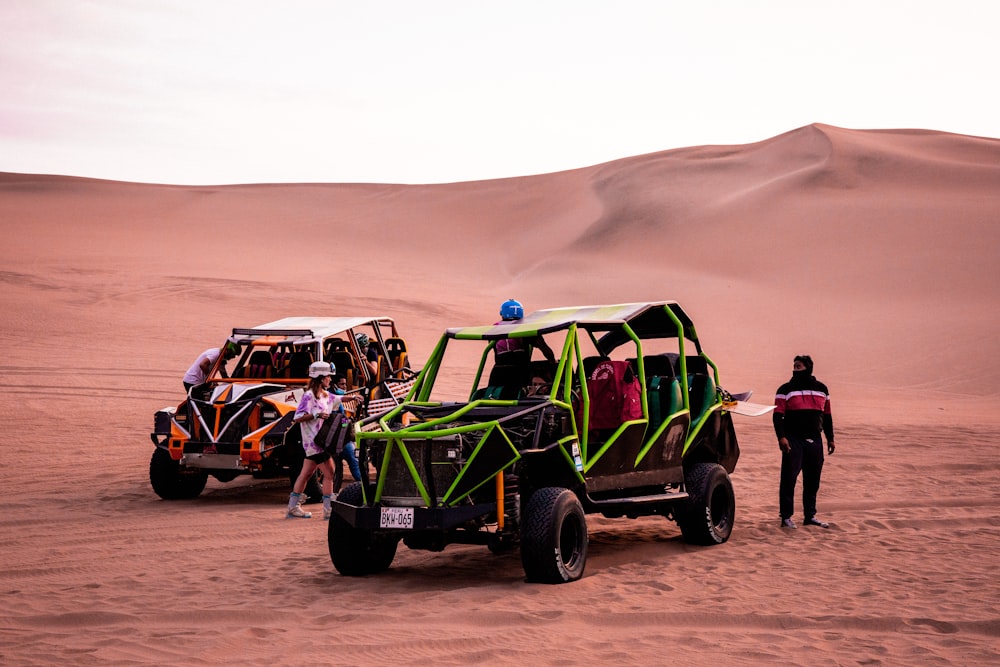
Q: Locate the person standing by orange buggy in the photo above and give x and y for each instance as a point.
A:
(317, 404)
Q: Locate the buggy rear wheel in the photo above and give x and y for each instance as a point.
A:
(710, 512)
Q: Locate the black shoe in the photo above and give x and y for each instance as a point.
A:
(813, 521)
(788, 523)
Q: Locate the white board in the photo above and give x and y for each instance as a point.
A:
(749, 409)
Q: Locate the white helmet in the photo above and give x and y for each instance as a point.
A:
(318, 369)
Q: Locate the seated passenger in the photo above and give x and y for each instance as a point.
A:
(540, 385)
(369, 356)
(511, 311)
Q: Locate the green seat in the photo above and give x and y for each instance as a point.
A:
(493, 393)
(663, 398)
(701, 390)
(676, 401)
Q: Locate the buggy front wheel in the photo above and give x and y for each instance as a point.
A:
(170, 482)
(553, 536)
(353, 551)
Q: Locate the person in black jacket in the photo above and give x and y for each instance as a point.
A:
(801, 415)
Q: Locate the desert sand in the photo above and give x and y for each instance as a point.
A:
(876, 252)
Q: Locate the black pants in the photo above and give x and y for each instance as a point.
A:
(805, 456)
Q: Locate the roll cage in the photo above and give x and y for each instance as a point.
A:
(607, 330)
(282, 350)
(617, 326)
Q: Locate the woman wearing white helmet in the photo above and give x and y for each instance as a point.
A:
(317, 404)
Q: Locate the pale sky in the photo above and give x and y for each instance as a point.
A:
(202, 92)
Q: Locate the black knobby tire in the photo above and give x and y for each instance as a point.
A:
(170, 482)
(314, 488)
(553, 536)
(710, 511)
(353, 551)
(296, 457)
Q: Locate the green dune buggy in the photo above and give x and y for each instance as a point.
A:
(508, 449)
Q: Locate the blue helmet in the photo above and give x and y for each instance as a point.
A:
(362, 339)
(511, 310)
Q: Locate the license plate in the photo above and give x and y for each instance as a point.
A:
(396, 517)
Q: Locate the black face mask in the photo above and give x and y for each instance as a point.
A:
(801, 375)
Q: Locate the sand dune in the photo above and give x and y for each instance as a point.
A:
(875, 251)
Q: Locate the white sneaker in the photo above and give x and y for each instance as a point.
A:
(298, 513)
